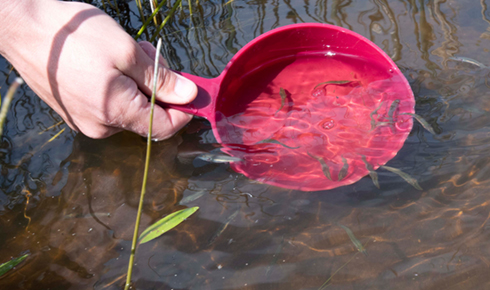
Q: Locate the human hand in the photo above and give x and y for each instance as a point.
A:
(89, 70)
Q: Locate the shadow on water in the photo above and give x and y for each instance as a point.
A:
(72, 202)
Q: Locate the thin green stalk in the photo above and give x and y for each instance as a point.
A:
(145, 174)
(169, 15)
(140, 9)
(148, 20)
(117, 8)
(152, 6)
(6, 102)
(110, 4)
(190, 7)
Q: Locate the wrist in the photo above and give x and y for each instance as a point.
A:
(19, 21)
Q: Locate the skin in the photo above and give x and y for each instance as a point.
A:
(89, 70)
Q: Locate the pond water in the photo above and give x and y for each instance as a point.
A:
(71, 203)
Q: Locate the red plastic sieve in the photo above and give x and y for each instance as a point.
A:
(308, 107)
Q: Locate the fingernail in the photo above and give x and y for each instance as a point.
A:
(183, 87)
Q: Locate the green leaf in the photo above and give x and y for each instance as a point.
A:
(165, 224)
(5, 267)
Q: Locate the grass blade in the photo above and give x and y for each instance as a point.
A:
(5, 267)
(148, 20)
(145, 174)
(8, 99)
(169, 15)
(165, 224)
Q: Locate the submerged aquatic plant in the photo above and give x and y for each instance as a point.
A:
(165, 224)
(7, 266)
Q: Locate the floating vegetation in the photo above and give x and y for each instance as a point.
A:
(354, 240)
(333, 83)
(165, 224)
(223, 227)
(325, 168)
(343, 171)
(404, 175)
(274, 141)
(422, 122)
(372, 173)
(7, 266)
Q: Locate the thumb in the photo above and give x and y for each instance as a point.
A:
(172, 88)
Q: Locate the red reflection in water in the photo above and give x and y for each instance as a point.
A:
(331, 121)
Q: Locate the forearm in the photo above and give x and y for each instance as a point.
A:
(88, 69)
(15, 20)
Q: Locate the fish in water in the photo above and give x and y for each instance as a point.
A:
(372, 173)
(333, 83)
(405, 176)
(274, 141)
(391, 113)
(275, 257)
(354, 240)
(282, 93)
(223, 227)
(422, 122)
(325, 168)
(343, 171)
(468, 60)
(192, 197)
(218, 158)
(373, 122)
(88, 215)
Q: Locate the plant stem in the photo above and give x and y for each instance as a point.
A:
(142, 14)
(148, 20)
(145, 174)
(8, 99)
(169, 15)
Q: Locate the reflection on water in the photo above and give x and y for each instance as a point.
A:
(72, 202)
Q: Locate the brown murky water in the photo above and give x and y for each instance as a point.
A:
(72, 203)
